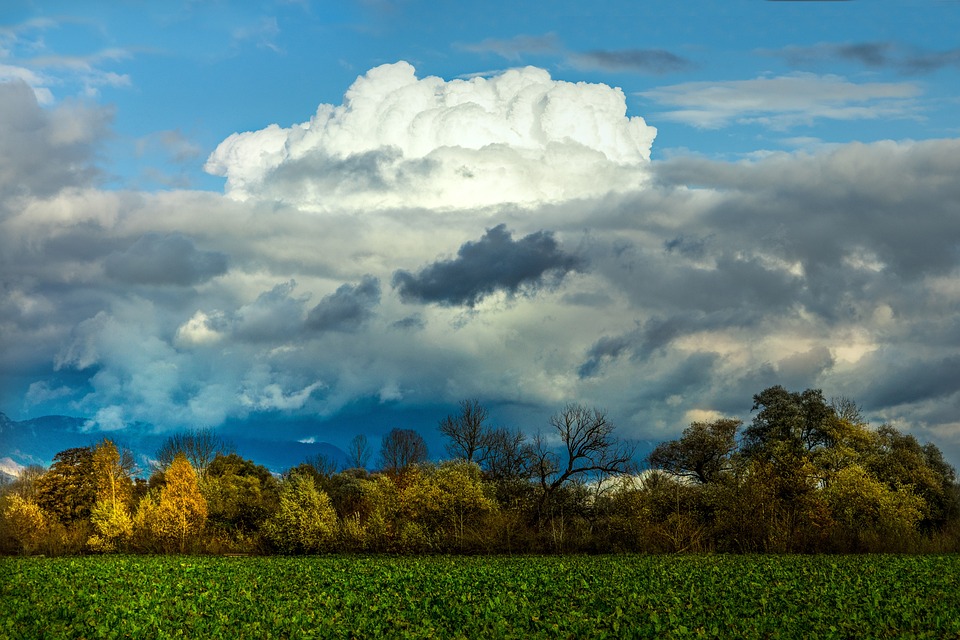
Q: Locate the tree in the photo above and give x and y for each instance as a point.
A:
(702, 453)
(589, 448)
(181, 511)
(400, 450)
(509, 456)
(26, 522)
(113, 471)
(305, 521)
(110, 516)
(468, 436)
(68, 491)
(199, 446)
(358, 452)
(899, 460)
(240, 495)
(26, 482)
(323, 465)
(871, 516)
(798, 422)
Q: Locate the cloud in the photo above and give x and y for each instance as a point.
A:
(684, 292)
(347, 308)
(494, 263)
(402, 141)
(274, 316)
(904, 59)
(655, 61)
(514, 48)
(165, 260)
(784, 101)
(43, 151)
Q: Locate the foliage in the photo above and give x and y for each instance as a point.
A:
(805, 476)
(174, 519)
(633, 596)
(305, 521)
(68, 490)
(702, 452)
(113, 525)
(25, 522)
(240, 496)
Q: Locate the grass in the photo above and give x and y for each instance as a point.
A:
(616, 596)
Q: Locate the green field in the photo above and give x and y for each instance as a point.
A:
(481, 597)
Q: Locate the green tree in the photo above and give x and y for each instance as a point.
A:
(870, 516)
(702, 453)
(240, 495)
(113, 525)
(68, 491)
(305, 521)
(789, 422)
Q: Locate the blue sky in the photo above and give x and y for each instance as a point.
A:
(222, 213)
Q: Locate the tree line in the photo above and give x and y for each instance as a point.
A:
(805, 475)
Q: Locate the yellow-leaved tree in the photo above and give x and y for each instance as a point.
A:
(114, 488)
(178, 515)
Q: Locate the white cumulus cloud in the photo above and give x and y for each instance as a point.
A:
(402, 141)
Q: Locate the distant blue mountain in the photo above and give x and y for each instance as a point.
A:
(38, 440)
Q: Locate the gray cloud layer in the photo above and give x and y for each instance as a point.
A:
(42, 151)
(165, 260)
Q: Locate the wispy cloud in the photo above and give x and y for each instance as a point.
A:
(781, 102)
(904, 59)
(651, 61)
(646, 61)
(515, 48)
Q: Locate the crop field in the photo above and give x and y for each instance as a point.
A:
(481, 597)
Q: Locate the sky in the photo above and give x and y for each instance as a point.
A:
(306, 220)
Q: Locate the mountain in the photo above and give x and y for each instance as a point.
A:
(38, 440)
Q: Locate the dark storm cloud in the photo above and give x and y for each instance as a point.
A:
(655, 334)
(496, 262)
(875, 55)
(607, 348)
(43, 151)
(172, 259)
(655, 61)
(347, 308)
(915, 381)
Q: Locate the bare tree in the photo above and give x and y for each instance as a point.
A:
(508, 455)
(199, 446)
(358, 452)
(322, 464)
(467, 434)
(400, 450)
(588, 449)
(847, 409)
